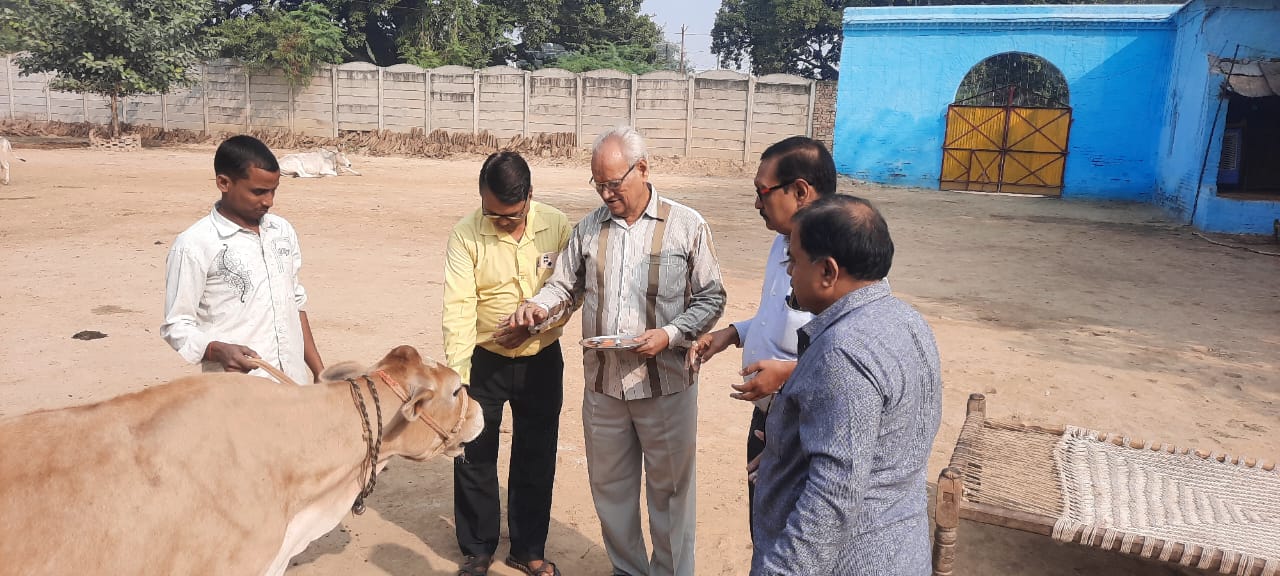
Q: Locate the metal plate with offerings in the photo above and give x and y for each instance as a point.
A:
(611, 342)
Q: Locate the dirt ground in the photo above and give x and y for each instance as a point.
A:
(1101, 315)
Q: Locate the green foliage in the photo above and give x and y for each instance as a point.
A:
(668, 58)
(583, 27)
(456, 32)
(423, 56)
(115, 48)
(473, 33)
(296, 41)
(781, 36)
(386, 32)
(1029, 79)
(10, 39)
(629, 59)
(582, 24)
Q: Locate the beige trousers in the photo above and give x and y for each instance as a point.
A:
(661, 434)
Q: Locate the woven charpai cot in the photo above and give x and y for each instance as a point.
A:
(1151, 498)
(1195, 508)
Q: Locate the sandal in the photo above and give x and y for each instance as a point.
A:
(546, 569)
(475, 566)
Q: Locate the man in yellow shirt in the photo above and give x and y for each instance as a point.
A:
(498, 256)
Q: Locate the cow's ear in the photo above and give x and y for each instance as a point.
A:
(403, 355)
(341, 371)
(417, 402)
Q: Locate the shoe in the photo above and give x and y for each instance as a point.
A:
(543, 569)
(475, 566)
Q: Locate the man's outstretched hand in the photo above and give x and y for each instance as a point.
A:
(767, 377)
(528, 314)
(709, 345)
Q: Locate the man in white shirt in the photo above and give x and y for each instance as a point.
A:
(231, 284)
(793, 173)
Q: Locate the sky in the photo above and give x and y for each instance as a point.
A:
(698, 15)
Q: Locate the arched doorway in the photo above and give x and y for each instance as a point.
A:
(1008, 128)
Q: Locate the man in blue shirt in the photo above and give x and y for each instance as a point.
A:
(841, 483)
(793, 173)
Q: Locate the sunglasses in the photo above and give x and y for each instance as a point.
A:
(507, 217)
(761, 192)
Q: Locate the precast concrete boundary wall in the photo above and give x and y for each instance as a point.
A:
(717, 114)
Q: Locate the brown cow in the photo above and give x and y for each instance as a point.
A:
(217, 473)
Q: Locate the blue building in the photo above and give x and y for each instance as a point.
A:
(1120, 102)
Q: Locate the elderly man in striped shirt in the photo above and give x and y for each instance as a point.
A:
(641, 265)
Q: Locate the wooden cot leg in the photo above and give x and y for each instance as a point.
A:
(946, 518)
(977, 403)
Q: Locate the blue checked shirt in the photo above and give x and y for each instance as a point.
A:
(841, 485)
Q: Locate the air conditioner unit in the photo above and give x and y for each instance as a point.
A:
(1229, 164)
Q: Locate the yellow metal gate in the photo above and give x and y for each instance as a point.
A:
(1005, 149)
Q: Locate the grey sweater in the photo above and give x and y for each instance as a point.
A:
(841, 485)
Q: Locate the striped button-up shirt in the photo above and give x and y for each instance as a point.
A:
(659, 272)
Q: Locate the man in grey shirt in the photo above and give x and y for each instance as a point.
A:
(840, 487)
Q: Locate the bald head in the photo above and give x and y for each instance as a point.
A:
(623, 141)
(850, 231)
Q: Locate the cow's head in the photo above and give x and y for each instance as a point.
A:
(343, 163)
(435, 395)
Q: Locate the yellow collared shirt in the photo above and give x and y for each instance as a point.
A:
(488, 273)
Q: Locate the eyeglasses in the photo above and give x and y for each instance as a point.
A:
(612, 185)
(507, 217)
(760, 192)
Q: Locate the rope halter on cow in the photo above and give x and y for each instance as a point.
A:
(448, 438)
(374, 445)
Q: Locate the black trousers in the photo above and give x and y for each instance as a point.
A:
(534, 385)
(754, 447)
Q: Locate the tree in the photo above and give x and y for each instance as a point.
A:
(10, 39)
(114, 48)
(583, 23)
(585, 27)
(668, 58)
(456, 32)
(297, 41)
(621, 58)
(781, 36)
(368, 31)
(473, 33)
(1014, 79)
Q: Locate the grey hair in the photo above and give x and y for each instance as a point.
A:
(633, 147)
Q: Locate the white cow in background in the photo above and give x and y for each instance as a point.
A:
(6, 152)
(315, 164)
